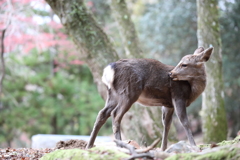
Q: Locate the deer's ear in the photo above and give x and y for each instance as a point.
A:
(198, 50)
(205, 55)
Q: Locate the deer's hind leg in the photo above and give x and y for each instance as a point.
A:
(166, 120)
(117, 114)
(102, 117)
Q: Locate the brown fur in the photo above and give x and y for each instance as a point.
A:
(152, 83)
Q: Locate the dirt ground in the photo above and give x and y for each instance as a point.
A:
(35, 154)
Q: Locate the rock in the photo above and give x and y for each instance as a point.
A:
(50, 140)
(182, 147)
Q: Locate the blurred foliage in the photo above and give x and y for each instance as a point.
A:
(168, 31)
(38, 100)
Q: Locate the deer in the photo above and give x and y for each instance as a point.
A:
(152, 83)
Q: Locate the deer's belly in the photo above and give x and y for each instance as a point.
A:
(151, 101)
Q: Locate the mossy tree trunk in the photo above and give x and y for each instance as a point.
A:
(213, 111)
(92, 43)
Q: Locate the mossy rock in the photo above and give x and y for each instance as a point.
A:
(227, 150)
(223, 143)
(223, 154)
(96, 153)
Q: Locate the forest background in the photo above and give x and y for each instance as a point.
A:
(48, 88)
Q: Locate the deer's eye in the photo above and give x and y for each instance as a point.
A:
(184, 65)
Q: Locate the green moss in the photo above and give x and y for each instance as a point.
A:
(229, 150)
(236, 140)
(221, 154)
(224, 153)
(96, 153)
(185, 156)
(204, 146)
(223, 143)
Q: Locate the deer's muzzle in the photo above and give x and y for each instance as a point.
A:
(171, 75)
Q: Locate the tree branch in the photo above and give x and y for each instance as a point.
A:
(133, 152)
(153, 145)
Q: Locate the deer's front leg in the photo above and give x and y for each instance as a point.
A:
(180, 108)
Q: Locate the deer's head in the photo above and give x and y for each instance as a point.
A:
(191, 66)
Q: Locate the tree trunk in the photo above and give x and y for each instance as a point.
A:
(126, 29)
(54, 124)
(213, 111)
(92, 43)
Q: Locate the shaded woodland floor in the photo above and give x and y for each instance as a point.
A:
(76, 149)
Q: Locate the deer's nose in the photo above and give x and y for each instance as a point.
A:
(169, 73)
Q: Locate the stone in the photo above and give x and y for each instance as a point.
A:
(182, 147)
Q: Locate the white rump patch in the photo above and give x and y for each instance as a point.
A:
(108, 76)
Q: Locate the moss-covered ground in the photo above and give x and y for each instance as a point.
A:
(96, 153)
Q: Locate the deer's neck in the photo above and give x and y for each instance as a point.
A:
(197, 87)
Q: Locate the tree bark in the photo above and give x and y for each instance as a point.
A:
(92, 43)
(213, 111)
(126, 28)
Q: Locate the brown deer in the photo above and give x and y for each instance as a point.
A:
(152, 83)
